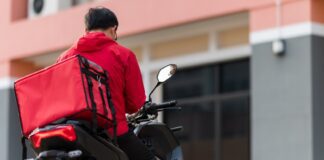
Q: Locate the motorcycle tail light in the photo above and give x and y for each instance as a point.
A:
(65, 132)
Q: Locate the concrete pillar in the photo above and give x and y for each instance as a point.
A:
(4, 116)
(10, 146)
(282, 101)
(287, 91)
(318, 96)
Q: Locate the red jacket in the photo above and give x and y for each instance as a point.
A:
(125, 78)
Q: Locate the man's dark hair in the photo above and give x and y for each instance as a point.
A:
(100, 18)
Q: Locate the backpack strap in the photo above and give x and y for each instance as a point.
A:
(105, 81)
(24, 147)
(112, 109)
(103, 101)
(93, 103)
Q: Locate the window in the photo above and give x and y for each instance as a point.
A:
(79, 2)
(215, 111)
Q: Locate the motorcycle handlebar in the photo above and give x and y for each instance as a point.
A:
(154, 107)
(150, 109)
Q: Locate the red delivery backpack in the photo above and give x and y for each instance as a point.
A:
(75, 88)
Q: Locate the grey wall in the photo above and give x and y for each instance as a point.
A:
(318, 96)
(10, 133)
(282, 102)
(14, 130)
(4, 103)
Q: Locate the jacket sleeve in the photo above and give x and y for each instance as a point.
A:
(134, 88)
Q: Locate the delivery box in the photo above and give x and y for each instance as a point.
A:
(75, 88)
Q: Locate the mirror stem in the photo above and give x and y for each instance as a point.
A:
(150, 98)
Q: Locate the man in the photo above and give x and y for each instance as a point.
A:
(99, 45)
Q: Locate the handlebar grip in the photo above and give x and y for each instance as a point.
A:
(163, 105)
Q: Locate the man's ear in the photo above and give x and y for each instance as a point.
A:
(109, 32)
(112, 32)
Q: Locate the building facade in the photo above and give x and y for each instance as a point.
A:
(240, 100)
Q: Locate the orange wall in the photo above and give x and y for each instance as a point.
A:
(292, 11)
(318, 11)
(4, 68)
(23, 38)
(30, 37)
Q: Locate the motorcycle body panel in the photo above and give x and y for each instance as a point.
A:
(160, 139)
(98, 147)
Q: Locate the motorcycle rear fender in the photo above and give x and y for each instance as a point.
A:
(89, 144)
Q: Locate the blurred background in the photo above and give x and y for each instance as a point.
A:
(250, 78)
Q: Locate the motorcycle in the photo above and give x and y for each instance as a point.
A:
(74, 139)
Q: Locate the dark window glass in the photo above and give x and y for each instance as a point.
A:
(190, 83)
(235, 117)
(235, 129)
(198, 135)
(215, 111)
(234, 76)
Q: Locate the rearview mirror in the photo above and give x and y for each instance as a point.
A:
(166, 72)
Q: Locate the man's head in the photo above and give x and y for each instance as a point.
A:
(102, 19)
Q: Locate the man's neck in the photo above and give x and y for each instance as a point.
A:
(102, 31)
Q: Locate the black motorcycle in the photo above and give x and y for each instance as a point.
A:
(75, 140)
